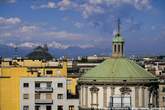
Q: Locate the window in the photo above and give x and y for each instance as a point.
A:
(48, 96)
(25, 96)
(37, 85)
(59, 96)
(10, 62)
(118, 48)
(60, 85)
(26, 107)
(25, 85)
(163, 89)
(37, 96)
(59, 107)
(48, 108)
(71, 107)
(163, 99)
(37, 107)
(115, 48)
(120, 101)
(49, 72)
(49, 85)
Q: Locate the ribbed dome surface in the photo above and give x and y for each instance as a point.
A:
(117, 69)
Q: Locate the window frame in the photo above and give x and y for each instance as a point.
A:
(25, 96)
(25, 107)
(60, 96)
(60, 85)
(49, 72)
(71, 107)
(59, 107)
(25, 85)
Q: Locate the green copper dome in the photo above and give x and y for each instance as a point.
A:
(117, 69)
(118, 39)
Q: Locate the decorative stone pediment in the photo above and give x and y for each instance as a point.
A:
(94, 89)
(125, 90)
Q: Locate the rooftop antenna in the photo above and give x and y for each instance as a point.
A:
(15, 50)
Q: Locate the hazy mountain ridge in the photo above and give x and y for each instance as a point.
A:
(7, 51)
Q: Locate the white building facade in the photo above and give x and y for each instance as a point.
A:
(111, 95)
(45, 93)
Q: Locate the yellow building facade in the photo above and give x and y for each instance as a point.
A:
(9, 87)
(72, 84)
(11, 73)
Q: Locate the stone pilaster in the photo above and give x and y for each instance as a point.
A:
(82, 95)
(105, 96)
(137, 96)
(143, 96)
(97, 99)
(112, 90)
(86, 96)
(91, 99)
(80, 92)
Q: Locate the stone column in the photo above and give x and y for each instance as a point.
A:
(86, 96)
(137, 96)
(146, 97)
(91, 98)
(151, 99)
(105, 96)
(82, 95)
(112, 90)
(121, 49)
(117, 51)
(80, 101)
(97, 97)
(143, 96)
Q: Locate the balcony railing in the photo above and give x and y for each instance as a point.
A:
(44, 89)
(43, 101)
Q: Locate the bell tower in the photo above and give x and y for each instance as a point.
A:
(118, 43)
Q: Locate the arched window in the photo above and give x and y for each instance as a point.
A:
(119, 48)
(115, 48)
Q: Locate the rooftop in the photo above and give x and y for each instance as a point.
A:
(117, 69)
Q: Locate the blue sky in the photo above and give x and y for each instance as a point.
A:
(83, 23)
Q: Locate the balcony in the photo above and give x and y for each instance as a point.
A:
(44, 89)
(43, 101)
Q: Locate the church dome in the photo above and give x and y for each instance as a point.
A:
(117, 69)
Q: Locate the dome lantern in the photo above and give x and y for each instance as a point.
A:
(118, 43)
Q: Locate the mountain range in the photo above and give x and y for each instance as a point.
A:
(73, 52)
